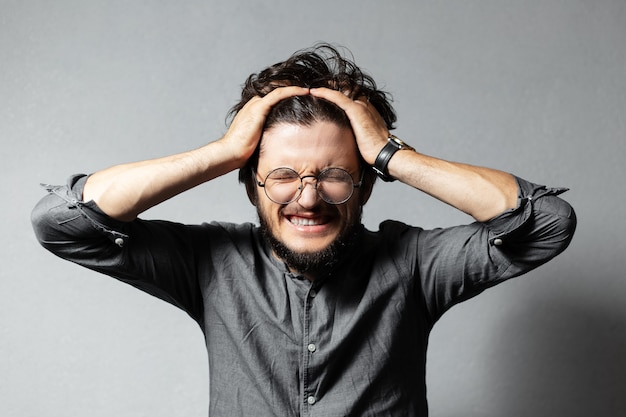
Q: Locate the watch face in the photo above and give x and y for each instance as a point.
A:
(396, 141)
(401, 145)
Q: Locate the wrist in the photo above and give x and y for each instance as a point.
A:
(393, 145)
(231, 152)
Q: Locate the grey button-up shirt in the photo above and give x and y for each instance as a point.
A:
(350, 344)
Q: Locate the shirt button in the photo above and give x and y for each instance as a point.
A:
(498, 242)
(311, 400)
(311, 347)
(312, 293)
(119, 242)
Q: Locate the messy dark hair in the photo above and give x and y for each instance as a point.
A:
(323, 65)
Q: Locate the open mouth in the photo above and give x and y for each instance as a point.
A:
(307, 221)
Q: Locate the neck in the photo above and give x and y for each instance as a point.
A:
(311, 275)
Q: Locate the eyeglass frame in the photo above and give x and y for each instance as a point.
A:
(302, 185)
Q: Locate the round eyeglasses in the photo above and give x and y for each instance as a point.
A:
(333, 185)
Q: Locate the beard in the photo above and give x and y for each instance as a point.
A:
(316, 261)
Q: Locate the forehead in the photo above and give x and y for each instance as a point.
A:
(314, 147)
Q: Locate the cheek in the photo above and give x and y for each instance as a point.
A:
(351, 213)
(267, 210)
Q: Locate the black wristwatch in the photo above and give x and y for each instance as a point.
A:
(394, 144)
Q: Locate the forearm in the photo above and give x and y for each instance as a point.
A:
(456, 263)
(480, 192)
(483, 193)
(124, 191)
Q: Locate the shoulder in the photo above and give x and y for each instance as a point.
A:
(225, 236)
(392, 240)
(235, 231)
(391, 231)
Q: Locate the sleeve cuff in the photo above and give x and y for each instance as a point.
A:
(72, 193)
(511, 222)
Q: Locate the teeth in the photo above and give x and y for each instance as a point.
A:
(299, 221)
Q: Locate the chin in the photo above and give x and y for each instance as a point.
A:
(324, 257)
(310, 245)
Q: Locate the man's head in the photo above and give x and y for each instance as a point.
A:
(320, 66)
(308, 135)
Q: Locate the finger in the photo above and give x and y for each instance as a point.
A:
(337, 97)
(353, 108)
(281, 93)
(350, 106)
(248, 122)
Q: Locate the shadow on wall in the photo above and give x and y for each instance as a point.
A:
(571, 362)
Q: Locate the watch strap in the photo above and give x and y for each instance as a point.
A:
(392, 146)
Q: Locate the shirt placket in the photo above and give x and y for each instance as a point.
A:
(309, 348)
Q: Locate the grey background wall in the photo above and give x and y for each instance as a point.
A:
(535, 87)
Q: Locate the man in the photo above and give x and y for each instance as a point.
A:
(309, 314)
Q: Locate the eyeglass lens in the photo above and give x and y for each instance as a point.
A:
(284, 185)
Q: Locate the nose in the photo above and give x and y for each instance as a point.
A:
(308, 195)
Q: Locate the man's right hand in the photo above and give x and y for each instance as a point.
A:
(124, 191)
(247, 127)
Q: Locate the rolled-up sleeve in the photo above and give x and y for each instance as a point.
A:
(457, 263)
(540, 228)
(72, 228)
(157, 257)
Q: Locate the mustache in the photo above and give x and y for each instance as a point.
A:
(323, 208)
(318, 261)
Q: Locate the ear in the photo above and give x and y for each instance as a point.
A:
(365, 191)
